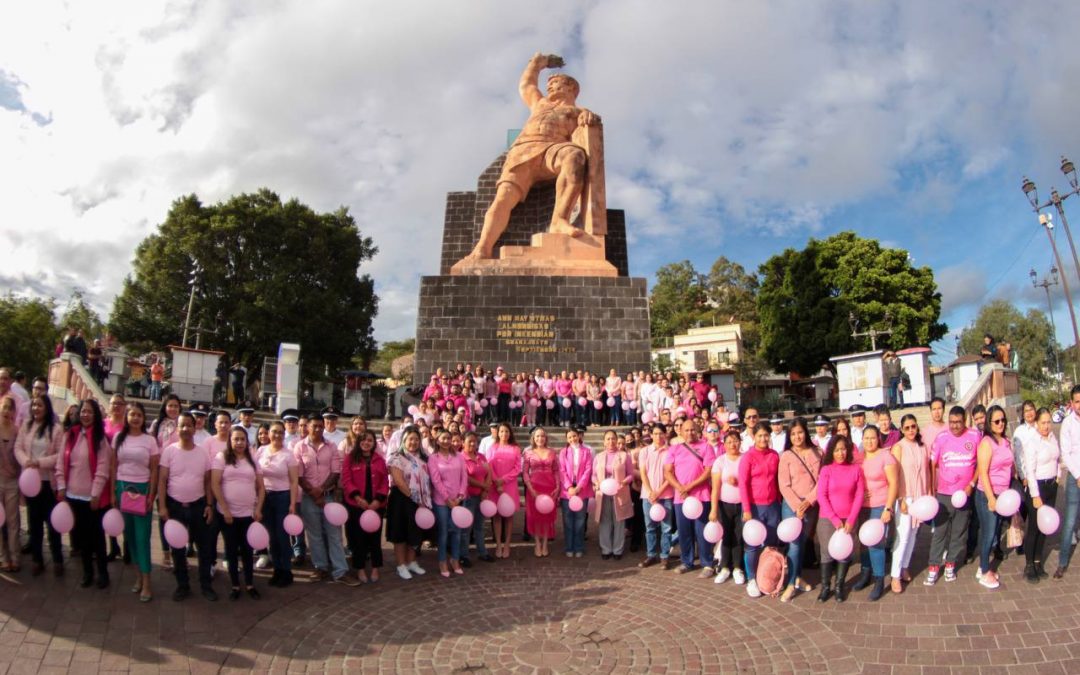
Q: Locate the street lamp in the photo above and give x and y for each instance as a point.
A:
(1056, 200)
(1045, 284)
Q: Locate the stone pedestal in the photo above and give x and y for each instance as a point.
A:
(548, 254)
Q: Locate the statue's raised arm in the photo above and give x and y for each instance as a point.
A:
(529, 86)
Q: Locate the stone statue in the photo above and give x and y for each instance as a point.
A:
(559, 142)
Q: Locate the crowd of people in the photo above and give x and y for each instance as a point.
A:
(728, 496)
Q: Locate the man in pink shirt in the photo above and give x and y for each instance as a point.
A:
(688, 468)
(952, 468)
(655, 489)
(563, 391)
(319, 463)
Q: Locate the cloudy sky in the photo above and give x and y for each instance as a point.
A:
(733, 129)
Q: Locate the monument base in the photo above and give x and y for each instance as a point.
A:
(521, 323)
(550, 254)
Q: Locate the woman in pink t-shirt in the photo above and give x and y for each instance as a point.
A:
(505, 469)
(913, 458)
(881, 473)
(135, 474)
(726, 507)
(281, 481)
(238, 488)
(994, 468)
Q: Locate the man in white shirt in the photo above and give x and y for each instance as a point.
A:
(1070, 457)
(331, 432)
(751, 417)
(858, 424)
(200, 412)
(488, 442)
(293, 432)
(246, 412)
(778, 437)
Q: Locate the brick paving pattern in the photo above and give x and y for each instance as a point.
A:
(529, 615)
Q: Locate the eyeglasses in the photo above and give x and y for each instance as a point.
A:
(999, 420)
(910, 427)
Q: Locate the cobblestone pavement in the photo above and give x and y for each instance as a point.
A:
(540, 615)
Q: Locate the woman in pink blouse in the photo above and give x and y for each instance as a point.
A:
(39, 444)
(540, 470)
(913, 458)
(994, 467)
(800, 463)
(365, 483)
(82, 477)
(281, 482)
(612, 511)
(449, 483)
(505, 469)
(135, 474)
(840, 491)
(238, 489)
(881, 474)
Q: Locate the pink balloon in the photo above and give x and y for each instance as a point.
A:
(293, 525)
(425, 519)
(692, 508)
(414, 411)
(633, 405)
(62, 518)
(1008, 503)
(534, 402)
(370, 521)
(657, 512)
(566, 402)
(958, 499)
(1048, 519)
(493, 400)
(713, 532)
(488, 508)
(840, 545)
(176, 534)
(508, 506)
(549, 404)
(626, 405)
(335, 514)
(924, 508)
(477, 408)
(545, 504)
(599, 405)
(113, 522)
(754, 533)
(789, 529)
(582, 401)
(610, 402)
(258, 537)
(712, 396)
(872, 532)
(462, 517)
(576, 503)
(30, 482)
(483, 403)
(609, 486)
(647, 417)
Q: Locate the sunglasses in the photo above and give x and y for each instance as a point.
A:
(909, 427)
(712, 431)
(999, 420)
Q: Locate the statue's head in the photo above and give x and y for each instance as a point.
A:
(562, 87)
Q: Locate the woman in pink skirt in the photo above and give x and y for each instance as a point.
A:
(505, 469)
(541, 473)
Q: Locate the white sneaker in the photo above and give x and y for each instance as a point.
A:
(263, 562)
(978, 574)
(740, 577)
(724, 575)
(403, 572)
(415, 568)
(752, 589)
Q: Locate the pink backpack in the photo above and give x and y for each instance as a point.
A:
(771, 571)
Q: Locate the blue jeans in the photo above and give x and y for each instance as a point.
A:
(658, 534)
(795, 548)
(616, 411)
(477, 529)
(324, 538)
(564, 412)
(769, 515)
(448, 536)
(155, 391)
(275, 508)
(873, 556)
(574, 526)
(692, 537)
(989, 524)
(581, 413)
(1068, 523)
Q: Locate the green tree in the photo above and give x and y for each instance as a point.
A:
(82, 316)
(265, 272)
(731, 293)
(389, 351)
(807, 297)
(1029, 335)
(678, 300)
(27, 334)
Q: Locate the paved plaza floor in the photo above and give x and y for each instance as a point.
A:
(530, 615)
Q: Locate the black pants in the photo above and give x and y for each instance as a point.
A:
(37, 510)
(237, 547)
(504, 409)
(89, 537)
(731, 544)
(363, 545)
(1034, 539)
(637, 523)
(199, 531)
